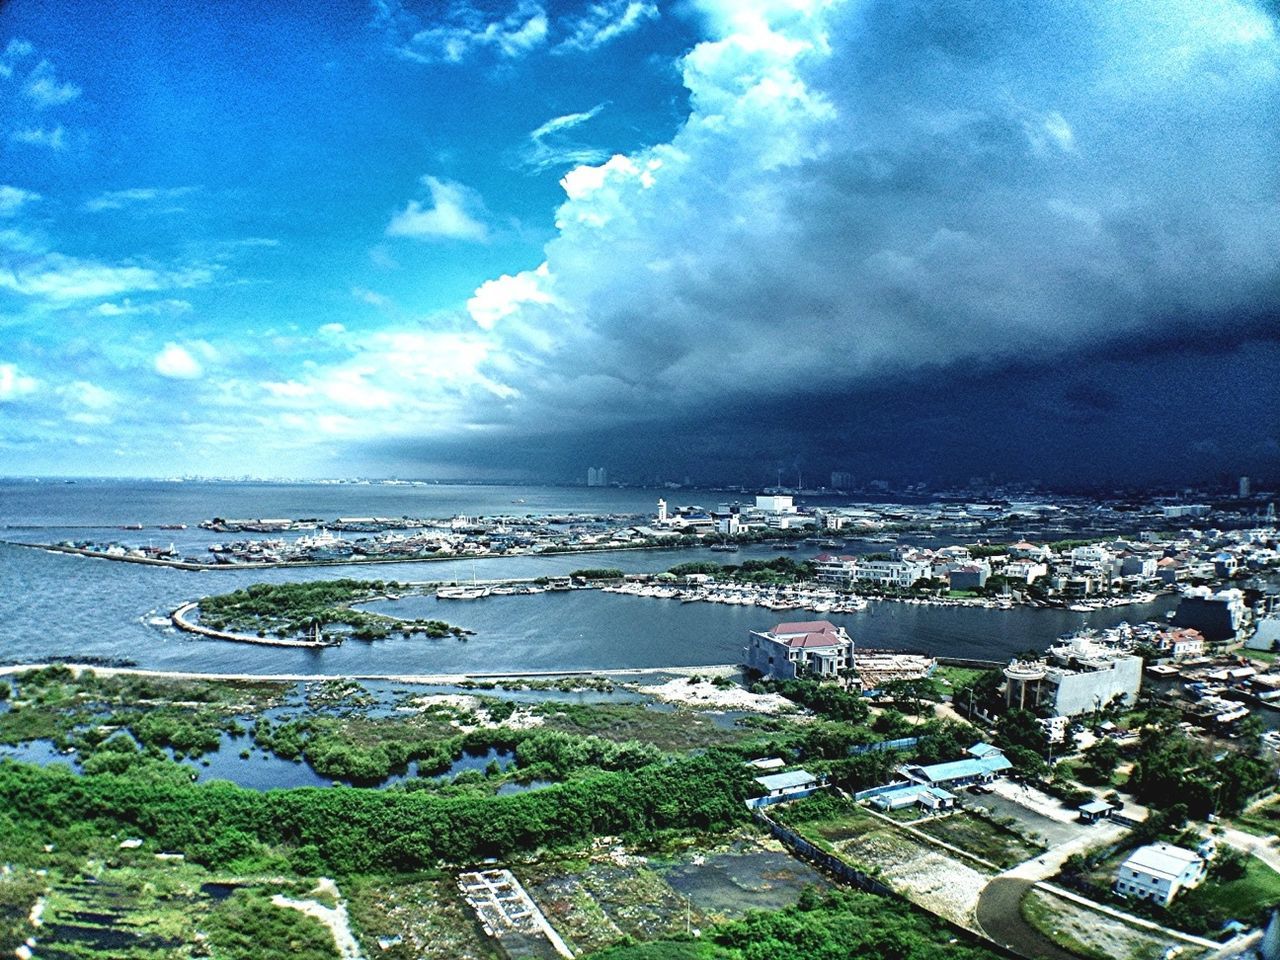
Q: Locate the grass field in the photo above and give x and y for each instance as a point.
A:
(1244, 899)
(980, 837)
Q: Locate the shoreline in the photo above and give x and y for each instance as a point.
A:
(346, 562)
(424, 679)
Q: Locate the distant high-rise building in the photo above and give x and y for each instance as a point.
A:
(597, 477)
(1245, 487)
(662, 511)
(842, 480)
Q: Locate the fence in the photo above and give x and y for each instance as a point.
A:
(903, 743)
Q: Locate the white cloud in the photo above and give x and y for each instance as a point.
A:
(54, 138)
(60, 278)
(43, 89)
(13, 199)
(607, 21)
(156, 307)
(461, 32)
(456, 213)
(496, 299)
(372, 298)
(148, 197)
(17, 49)
(177, 363)
(549, 147)
(14, 383)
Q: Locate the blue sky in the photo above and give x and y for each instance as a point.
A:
(497, 239)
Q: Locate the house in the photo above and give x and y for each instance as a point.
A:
(970, 576)
(793, 783)
(1158, 871)
(814, 648)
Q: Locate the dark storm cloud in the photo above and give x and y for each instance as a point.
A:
(927, 215)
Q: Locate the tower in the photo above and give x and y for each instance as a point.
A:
(662, 511)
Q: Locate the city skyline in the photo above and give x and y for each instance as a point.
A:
(718, 239)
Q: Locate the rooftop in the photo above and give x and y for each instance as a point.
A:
(1161, 860)
(786, 781)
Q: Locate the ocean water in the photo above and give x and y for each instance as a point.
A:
(67, 607)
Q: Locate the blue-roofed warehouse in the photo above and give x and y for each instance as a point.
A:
(957, 773)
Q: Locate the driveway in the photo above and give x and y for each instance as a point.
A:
(999, 915)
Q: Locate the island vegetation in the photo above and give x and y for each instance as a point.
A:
(319, 608)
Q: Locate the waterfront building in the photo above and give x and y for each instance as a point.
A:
(893, 573)
(812, 648)
(1073, 678)
(1027, 571)
(970, 576)
(829, 568)
(775, 503)
(1159, 871)
(1218, 616)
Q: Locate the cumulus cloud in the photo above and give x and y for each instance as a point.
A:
(179, 362)
(864, 190)
(15, 384)
(15, 50)
(461, 32)
(604, 22)
(455, 212)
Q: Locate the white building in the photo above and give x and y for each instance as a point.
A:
(1158, 872)
(893, 573)
(829, 568)
(1028, 571)
(775, 504)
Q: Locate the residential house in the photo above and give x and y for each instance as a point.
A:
(1158, 872)
(813, 648)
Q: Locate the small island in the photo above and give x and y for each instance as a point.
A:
(319, 613)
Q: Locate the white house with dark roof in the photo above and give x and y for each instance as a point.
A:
(1158, 871)
(808, 648)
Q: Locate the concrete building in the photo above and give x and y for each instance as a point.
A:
(1027, 571)
(829, 568)
(1267, 636)
(893, 573)
(810, 648)
(775, 504)
(1158, 871)
(1218, 616)
(1075, 677)
(969, 576)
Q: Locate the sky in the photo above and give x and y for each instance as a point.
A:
(713, 239)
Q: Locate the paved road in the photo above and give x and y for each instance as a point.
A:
(999, 914)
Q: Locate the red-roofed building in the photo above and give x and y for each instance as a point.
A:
(809, 648)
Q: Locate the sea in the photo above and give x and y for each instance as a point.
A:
(57, 606)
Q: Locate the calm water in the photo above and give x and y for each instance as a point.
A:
(60, 606)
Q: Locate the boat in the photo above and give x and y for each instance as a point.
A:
(461, 593)
(725, 547)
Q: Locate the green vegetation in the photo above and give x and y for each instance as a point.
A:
(598, 573)
(779, 570)
(1170, 767)
(247, 926)
(835, 926)
(1247, 894)
(314, 608)
(981, 836)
